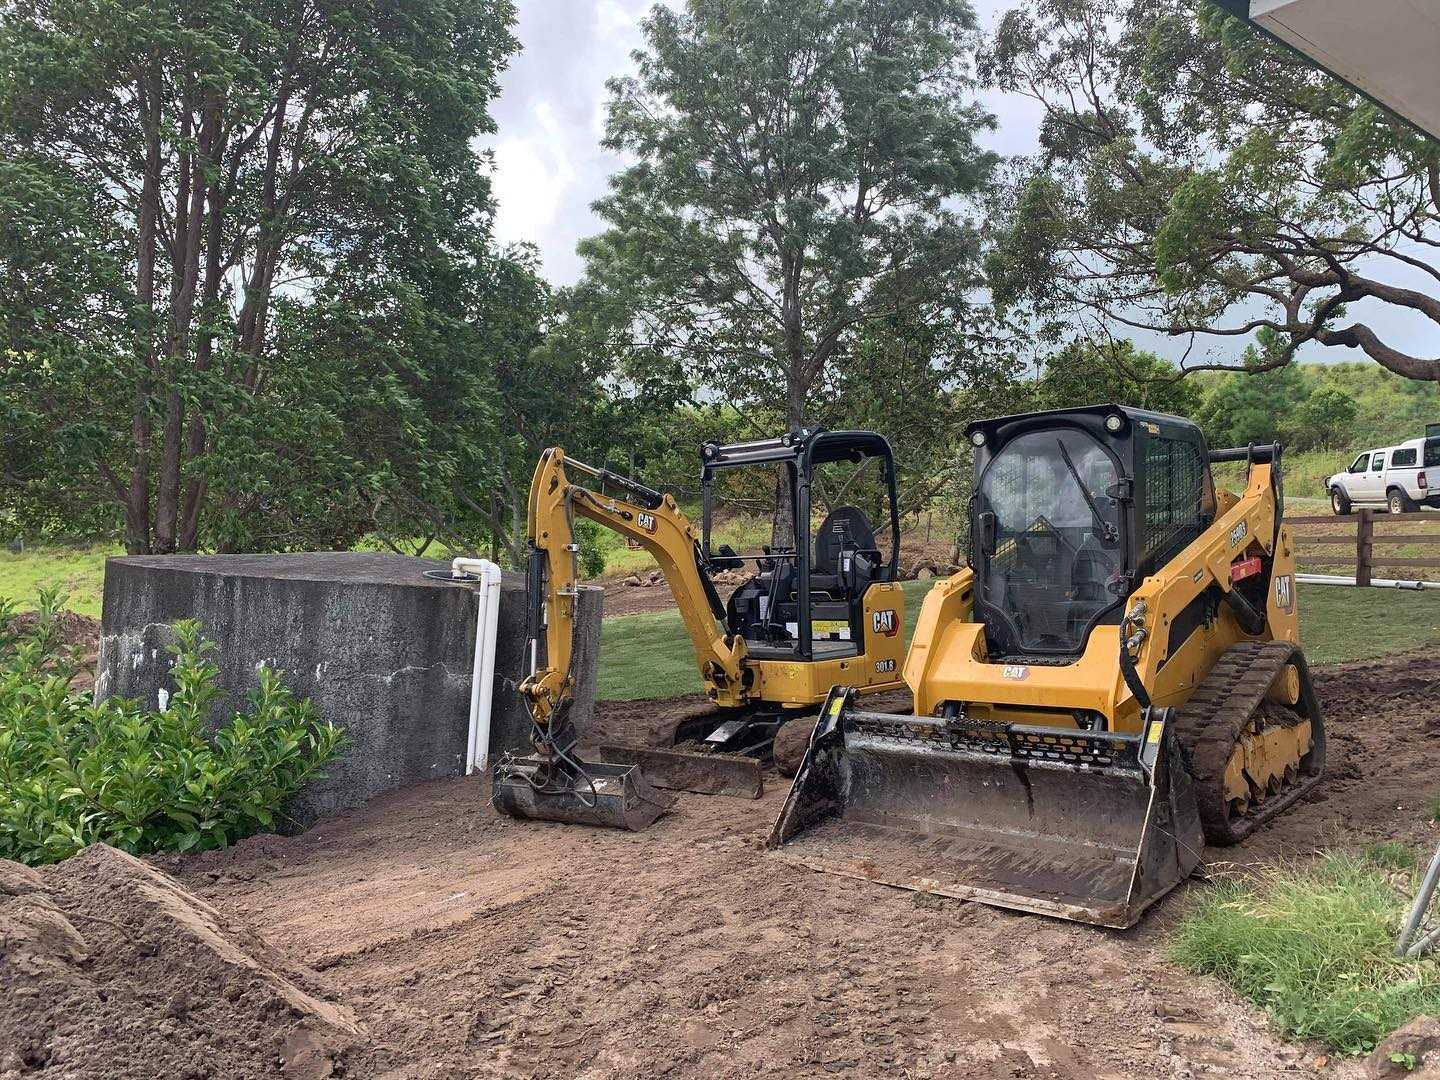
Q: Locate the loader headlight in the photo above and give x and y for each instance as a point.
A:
(1114, 422)
(977, 438)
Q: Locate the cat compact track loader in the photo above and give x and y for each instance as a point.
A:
(1116, 680)
(806, 620)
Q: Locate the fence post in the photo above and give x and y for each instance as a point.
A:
(1364, 546)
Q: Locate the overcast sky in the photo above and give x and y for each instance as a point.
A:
(550, 166)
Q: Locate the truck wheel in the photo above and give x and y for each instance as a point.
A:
(1398, 502)
(1339, 502)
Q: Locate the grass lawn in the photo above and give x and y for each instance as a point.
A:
(649, 656)
(1314, 946)
(79, 571)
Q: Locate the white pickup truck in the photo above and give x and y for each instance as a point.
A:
(1399, 478)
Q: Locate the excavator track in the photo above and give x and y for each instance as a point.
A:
(1230, 703)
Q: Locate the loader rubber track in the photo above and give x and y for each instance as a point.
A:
(1211, 722)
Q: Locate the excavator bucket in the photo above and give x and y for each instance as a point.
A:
(1092, 827)
(576, 792)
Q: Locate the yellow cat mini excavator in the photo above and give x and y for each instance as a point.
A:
(1116, 680)
(807, 619)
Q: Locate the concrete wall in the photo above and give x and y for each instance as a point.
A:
(382, 651)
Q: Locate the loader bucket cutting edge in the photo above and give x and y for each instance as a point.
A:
(614, 795)
(1088, 827)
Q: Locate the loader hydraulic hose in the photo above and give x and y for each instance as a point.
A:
(1130, 643)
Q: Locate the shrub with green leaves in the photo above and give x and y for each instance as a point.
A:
(1315, 946)
(74, 773)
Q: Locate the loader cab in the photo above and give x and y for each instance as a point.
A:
(806, 601)
(1072, 509)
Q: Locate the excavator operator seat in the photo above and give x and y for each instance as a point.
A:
(846, 556)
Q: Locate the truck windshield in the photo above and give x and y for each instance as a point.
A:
(1057, 538)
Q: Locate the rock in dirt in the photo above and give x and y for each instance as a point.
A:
(112, 969)
(791, 741)
(1412, 1051)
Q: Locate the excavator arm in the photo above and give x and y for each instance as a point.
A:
(653, 521)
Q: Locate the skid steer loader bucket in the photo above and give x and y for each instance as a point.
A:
(1092, 827)
(576, 792)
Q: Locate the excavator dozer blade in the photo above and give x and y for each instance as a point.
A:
(1092, 827)
(702, 772)
(583, 793)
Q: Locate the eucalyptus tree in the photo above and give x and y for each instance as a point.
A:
(1197, 180)
(248, 295)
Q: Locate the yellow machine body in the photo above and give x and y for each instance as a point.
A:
(947, 660)
(1079, 773)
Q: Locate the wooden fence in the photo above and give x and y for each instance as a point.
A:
(1362, 532)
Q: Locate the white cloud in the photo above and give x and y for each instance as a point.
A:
(533, 174)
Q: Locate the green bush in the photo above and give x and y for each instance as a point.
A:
(588, 534)
(1314, 946)
(74, 773)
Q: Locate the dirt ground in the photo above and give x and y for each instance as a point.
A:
(470, 945)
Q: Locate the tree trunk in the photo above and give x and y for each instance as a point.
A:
(782, 522)
(137, 497)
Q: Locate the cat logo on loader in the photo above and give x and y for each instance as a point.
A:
(1088, 788)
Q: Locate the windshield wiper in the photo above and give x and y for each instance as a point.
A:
(1108, 533)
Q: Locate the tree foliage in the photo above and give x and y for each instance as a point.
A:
(1199, 180)
(248, 297)
(793, 177)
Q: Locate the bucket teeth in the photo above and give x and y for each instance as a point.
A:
(1079, 825)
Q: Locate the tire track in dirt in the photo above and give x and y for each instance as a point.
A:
(471, 945)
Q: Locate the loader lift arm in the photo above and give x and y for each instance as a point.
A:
(652, 520)
(1231, 557)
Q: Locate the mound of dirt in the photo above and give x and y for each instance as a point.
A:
(110, 968)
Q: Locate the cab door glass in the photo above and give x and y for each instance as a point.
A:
(1359, 464)
(1377, 463)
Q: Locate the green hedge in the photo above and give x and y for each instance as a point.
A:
(74, 773)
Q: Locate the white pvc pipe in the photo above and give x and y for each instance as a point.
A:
(1377, 583)
(482, 671)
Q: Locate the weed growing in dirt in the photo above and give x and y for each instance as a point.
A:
(1434, 808)
(1314, 946)
(73, 773)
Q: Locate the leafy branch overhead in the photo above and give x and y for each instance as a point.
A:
(1197, 180)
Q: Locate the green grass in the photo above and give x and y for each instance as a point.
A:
(649, 656)
(1313, 946)
(79, 571)
(1338, 624)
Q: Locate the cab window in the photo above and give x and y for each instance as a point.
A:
(1377, 462)
(1359, 464)
(1402, 457)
